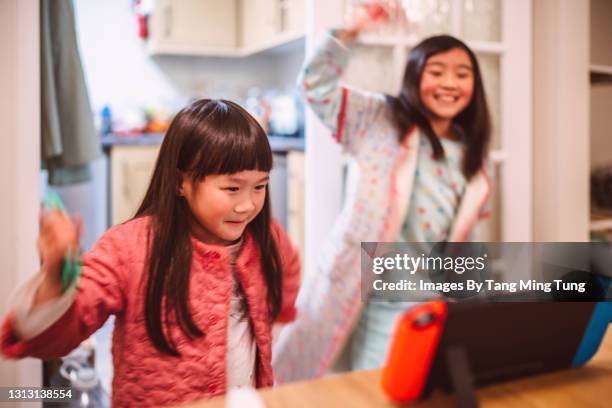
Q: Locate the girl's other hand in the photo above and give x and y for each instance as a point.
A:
(59, 235)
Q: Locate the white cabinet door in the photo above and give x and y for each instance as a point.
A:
(260, 22)
(131, 170)
(195, 23)
(292, 16)
(224, 28)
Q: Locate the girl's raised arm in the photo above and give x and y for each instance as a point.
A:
(99, 292)
(345, 111)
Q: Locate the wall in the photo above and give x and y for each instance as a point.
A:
(120, 72)
(561, 120)
(19, 158)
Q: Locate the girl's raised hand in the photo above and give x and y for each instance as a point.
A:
(58, 237)
(366, 15)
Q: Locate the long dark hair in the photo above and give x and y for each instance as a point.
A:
(473, 123)
(207, 137)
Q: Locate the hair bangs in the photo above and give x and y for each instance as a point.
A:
(230, 140)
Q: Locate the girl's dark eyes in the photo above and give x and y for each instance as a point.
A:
(438, 74)
(236, 189)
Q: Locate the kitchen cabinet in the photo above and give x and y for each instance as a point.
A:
(185, 25)
(131, 170)
(260, 22)
(265, 22)
(229, 28)
(295, 12)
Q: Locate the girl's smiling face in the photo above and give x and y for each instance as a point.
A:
(222, 205)
(447, 84)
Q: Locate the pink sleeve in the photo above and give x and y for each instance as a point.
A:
(290, 260)
(99, 294)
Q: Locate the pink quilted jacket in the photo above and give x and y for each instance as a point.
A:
(143, 377)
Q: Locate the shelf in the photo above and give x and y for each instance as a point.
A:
(600, 73)
(387, 40)
(284, 43)
(601, 220)
(601, 225)
(135, 139)
(408, 41)
(278, 143)
(601, 69)
(155, 50)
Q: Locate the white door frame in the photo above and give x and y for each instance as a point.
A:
(20, 158)
(561, 120)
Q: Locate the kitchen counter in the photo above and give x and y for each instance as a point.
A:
(279, 144)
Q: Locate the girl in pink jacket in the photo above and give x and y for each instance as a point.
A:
(196, 279)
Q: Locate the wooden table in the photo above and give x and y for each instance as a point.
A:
(588, 386)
